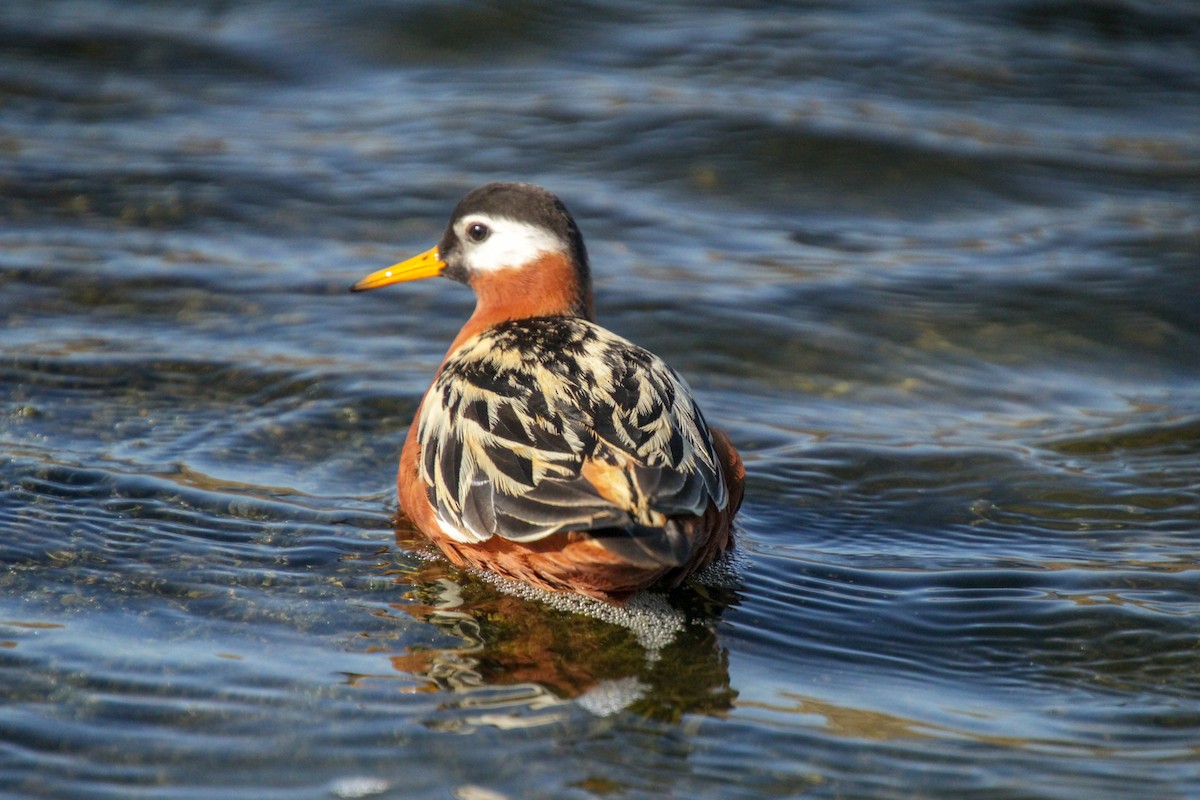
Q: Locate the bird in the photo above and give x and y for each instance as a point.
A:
(547, 449)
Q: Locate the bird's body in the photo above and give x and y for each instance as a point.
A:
(549, 449)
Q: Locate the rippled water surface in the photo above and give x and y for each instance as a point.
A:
(935, 266)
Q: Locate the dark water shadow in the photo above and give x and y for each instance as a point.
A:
(515, 657)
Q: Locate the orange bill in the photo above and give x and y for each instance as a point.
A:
(426, 265)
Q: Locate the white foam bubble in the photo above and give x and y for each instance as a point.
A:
(648, 615)
(357, 786)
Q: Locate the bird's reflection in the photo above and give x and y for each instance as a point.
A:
(523, 657)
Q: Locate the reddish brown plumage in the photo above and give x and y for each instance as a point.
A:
(574, 561)
(554, 283)
(543, 289)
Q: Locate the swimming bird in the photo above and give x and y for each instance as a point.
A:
(549, 449)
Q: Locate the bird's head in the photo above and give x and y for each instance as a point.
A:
(512, 243)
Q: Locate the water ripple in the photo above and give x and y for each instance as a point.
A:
(932, 266)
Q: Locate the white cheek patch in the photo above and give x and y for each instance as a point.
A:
(511, 243)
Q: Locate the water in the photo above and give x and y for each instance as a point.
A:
(934, 266)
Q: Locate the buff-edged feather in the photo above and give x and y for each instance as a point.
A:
(542, 425)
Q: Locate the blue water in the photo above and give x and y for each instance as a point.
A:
(934, 266)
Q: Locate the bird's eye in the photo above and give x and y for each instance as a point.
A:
(477, 231)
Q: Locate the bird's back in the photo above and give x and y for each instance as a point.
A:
(537, 426)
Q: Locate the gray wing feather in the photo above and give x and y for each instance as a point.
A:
(517, 410)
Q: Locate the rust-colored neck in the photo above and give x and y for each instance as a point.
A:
(550, 287)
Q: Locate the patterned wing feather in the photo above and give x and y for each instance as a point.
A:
(519, 410)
